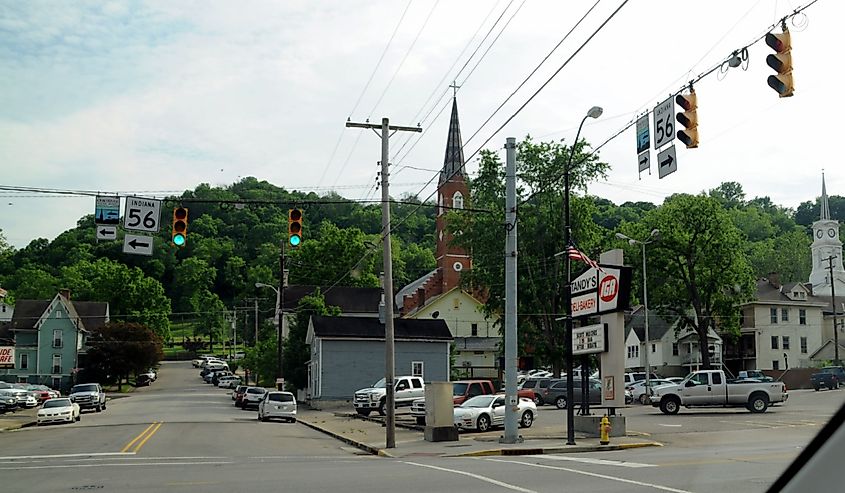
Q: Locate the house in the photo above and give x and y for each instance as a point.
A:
(352, 301)
(438, 294)
(49, 337)
(673, 349)
(347, 353)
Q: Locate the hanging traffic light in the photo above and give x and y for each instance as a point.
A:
(781, 62)
(179, 235)
(294, 227)
(688, 118)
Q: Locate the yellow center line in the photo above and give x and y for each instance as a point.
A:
(130, 444)
(150, 434)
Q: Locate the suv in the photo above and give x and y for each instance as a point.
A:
(406, 390)
(252, 397)
(538, 386)
(638, 376)
(556, 392)
(88, 396)
(830, 376)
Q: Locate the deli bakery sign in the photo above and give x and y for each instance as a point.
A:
(7, 357)
(603, 290)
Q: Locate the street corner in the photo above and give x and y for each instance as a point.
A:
(563, 449)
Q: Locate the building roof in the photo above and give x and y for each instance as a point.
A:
(453, 163)
(411, 288)
(5, 333)
(825, 205)
(372, 328)
(657, 326)
(477, 343)
(769, 290)
(348, 299)
(92, 314)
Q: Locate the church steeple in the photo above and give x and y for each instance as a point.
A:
(825, 205)
(826, 244)
(453, 163)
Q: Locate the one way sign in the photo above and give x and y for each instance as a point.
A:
(138, 244)
(666, 162)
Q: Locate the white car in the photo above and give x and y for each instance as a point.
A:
(638, 389)
(483, 412)
(228, 382)
(58, 410)
(24, 397)
(277, 404)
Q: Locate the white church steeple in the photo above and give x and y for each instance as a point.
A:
(826, 244)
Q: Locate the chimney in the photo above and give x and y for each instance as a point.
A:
(65, 293)
(774, 279)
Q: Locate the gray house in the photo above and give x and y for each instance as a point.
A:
(347, 353)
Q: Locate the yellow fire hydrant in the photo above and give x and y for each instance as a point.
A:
(604, 429)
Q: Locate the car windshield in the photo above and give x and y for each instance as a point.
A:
(277, 397)
(379, 384)
(255, 390)
(479, 401)
(459, 388)
(56, 403)
(88, 387)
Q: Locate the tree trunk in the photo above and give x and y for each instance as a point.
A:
(703, 345)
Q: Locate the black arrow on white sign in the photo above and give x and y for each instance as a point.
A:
(668, 161)
(106, 232)
(136, 244)
(643, 160)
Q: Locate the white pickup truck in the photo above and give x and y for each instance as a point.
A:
(406, 390)
(711, 388)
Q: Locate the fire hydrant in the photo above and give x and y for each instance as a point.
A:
(604, 429)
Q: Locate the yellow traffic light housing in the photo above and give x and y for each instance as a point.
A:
(781, 62)
(688, 118)
(179, 235)
(294, 227)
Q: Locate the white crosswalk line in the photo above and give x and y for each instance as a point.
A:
(589, 460)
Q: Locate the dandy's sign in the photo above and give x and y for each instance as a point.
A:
(598, 291)
(7, 356)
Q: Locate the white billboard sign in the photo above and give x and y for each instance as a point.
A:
(590, 339)
(7, 357)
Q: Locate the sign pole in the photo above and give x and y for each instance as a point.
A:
(511, 359)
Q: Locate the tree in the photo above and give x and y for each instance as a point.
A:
(296, 351)
(697, 269)
(333, 251)
(119, 349)
(540, 176)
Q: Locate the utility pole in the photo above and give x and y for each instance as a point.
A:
(279, 317)
(389, 359)
(511, 358)
(255, 309)
(829, 261)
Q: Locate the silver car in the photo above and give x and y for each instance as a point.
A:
(253, 397)
(277, 405)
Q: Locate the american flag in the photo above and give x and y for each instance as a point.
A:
(576, 254)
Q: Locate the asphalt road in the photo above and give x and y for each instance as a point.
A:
(182, 435)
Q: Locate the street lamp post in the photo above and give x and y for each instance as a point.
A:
(651, 238)
(594, 112)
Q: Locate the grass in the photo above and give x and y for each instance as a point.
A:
(123, 388)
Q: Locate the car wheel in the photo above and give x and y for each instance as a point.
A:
(104, 406)
(816, 388)
(421, 420)
(538, 401)
(98, 408)
(527, 419)
(363, 412)
(78, 417)
(670, 405)
(483, 423)
(560, 402)
(381, 408)
(293, 420)
(643, 399)
(758, 403)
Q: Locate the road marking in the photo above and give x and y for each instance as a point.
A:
(476, 476)
(595, 475)
(150, 434)
(589, 460)
(117, 464)
(670, 426)
(130, 444)
(64, 456)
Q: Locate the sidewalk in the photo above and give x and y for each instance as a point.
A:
(369, 435)
(18, 419)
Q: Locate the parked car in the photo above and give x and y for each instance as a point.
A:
(638, 389)
(829, 377)
(406, 390)
(58, 410)
(88, 396)
(461, 391)
(41, 392)
(486, 411)
(142, 380)
(277, 404)
(214, 378)
(629, 397)
(252, 397)
(711, 388)
(151, 374)
(240, 389)
(756, 374)
(556, 392)
(638, 376)
(537, 386)
(23, 397)
(228, 381)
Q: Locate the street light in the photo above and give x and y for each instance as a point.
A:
(594, 112)
(651, 239)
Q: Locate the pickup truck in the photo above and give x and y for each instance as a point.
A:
(711, 388)
(370, 399)
(461, 391)
(830, 377)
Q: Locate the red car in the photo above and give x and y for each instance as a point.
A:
(238, 394)
(41, 393)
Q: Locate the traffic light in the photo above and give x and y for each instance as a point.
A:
(781, 61)
(688, 118)
(294, 227)
(179, 235)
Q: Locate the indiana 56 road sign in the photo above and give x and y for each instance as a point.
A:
(142, 214)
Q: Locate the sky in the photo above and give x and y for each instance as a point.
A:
(154, 98)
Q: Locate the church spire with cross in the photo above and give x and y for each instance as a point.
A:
(826, 244)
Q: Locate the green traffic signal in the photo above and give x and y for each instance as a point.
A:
(179, 239)
(295, 240)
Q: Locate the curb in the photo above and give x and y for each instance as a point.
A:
(17, 426)
(556, 450)
(363, 446)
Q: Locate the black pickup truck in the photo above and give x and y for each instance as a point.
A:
(830, 377)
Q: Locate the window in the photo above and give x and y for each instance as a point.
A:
(774, 342)
(57, 363)
(699, 378)
(653, 347)
(24, 362)
(717, 379)
(416, 383)
(775, 365)
(474, 390)
(784, 314)
(802, 316)
(474, 330)
(57, 382)
(57, 338)
(58, 314)
(773, 315)
(674, 349)
(803, 345)
(458, 200)
(417, 368)
(786, 342)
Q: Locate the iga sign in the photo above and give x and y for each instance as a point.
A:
(7, 356)
(598, 291)
(590, 339)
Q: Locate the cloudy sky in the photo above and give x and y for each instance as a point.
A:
(156, 97)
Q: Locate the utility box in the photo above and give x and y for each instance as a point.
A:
(439, 413)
